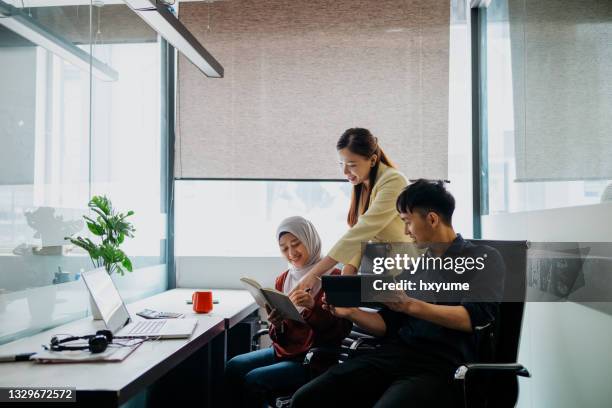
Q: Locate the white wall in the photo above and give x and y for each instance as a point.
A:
(221, 272)
(565, 346)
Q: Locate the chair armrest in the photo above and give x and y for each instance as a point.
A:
(261, 332)
(358, 339)
(514, 368)
(341, 352)
(364, 343)
(354, 334)
(349, 348)
(255, 339)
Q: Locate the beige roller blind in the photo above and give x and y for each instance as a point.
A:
(562, 88)
(298, 73)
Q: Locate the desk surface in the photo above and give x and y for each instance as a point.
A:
(148, 363)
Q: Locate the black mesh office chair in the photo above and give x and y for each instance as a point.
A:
(492, 381)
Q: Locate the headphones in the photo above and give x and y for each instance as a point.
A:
(96, 343)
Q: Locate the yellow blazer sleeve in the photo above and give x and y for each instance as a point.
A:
(379, 214)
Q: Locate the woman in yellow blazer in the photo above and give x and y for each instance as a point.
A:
(372, 214)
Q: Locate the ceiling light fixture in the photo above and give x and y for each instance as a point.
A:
(161, 19)
(27, 27)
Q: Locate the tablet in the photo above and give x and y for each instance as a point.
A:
(346, 290)
(342, 291)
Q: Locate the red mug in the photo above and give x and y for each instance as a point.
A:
(202, 301)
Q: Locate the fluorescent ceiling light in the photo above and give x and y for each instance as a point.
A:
(169, 27)
(24, 25)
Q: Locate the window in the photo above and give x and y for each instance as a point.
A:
(228, 218)
(239, 218)
(531, 82)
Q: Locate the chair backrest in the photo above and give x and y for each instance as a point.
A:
(508, 326)
(502, 391)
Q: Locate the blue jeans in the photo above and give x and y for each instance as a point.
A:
(253, 377)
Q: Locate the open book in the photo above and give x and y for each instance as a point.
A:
(273, 298)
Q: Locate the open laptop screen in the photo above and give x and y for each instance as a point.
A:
(107, 299)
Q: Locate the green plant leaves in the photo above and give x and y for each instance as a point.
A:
(102, 203)
(95, 227)
(112, 228)
(127, 264)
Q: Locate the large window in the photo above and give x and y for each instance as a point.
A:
(239, 218)
(68, 131)
(548, 102)
(127, 162)
(231, 218)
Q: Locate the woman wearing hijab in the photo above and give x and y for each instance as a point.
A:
(254, 376)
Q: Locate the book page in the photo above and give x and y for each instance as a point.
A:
(283, 305)
(255, 290)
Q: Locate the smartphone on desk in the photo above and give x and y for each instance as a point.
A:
(152, 314)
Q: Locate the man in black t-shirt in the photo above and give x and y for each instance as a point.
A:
(423, 341)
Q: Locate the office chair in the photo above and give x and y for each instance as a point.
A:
(492, 381)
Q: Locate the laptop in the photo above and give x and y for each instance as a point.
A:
(117, 318)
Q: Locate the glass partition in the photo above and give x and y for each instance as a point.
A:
(80, 115)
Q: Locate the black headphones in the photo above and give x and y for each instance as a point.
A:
(97, 343)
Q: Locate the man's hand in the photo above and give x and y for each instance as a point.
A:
(371, 322)
(341, 312)
(450, 316)
(302, 298)
(274, 317)
(402, 303)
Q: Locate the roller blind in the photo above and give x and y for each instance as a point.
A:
(298, 73)
(562, 88)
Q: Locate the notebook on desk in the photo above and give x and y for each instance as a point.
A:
(116, 352)
(117, 318)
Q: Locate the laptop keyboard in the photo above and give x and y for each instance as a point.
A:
(147, 327)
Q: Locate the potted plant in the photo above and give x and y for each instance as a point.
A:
(112, 227)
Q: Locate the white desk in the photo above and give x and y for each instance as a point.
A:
(116, 383)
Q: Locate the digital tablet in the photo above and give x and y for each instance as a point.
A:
(346, 290)
(342, 291)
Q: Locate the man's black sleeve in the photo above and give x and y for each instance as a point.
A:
(392, 321)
